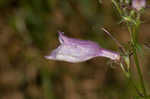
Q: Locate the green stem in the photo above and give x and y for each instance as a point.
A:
(139, 72)
(134, 33)
(117, 6)
(135, 87)
(130, 31)
(135, 41)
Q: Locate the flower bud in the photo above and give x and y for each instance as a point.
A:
(138, 4)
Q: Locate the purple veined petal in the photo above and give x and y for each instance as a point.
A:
(75, 50)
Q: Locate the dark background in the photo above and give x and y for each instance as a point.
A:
(28, 32)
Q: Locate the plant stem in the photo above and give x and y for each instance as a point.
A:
(134, 86)
(139, 72)
(117, 7)
(133, 33)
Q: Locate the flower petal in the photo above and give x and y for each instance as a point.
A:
(110, 54)
(61, 37)
(75, 50)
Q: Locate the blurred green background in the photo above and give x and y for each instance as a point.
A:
(28, 32)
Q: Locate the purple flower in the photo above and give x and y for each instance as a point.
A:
(75, 50)
(138, 4)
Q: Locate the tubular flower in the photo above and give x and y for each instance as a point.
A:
(75, 50)
(138, 4)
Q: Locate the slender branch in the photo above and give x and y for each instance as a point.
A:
(135, 87)
(135, 41)
(139, 72)
(117, 6)
(115, 40)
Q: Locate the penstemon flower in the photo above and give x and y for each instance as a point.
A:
(75, 50)
(138, 4)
